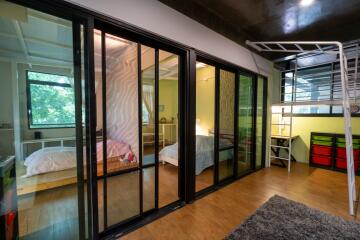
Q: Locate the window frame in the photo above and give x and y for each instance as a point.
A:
(283, 93)
(32, 126)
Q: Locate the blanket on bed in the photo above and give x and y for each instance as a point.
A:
(52, 159)
(204, 152)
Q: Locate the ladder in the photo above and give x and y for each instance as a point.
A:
(281, 131)
(348, 134)
(329, 47)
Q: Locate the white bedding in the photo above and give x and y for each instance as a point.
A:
(50, 159)
(204, 152)
(53, 159)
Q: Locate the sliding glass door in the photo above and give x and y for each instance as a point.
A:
(205, 126)
(245, 124)
(42, 188)
(138, 159)
(261, 110)
(230, 123)
(226, 122)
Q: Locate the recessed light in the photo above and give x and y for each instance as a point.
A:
(306, 3)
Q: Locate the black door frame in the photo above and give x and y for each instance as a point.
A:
(217, 124)
(253, 122)
(91, 19)
(124, 225)
(224, 65)
(79, 19)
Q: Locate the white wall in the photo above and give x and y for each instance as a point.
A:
(6, 109)
(158, 18)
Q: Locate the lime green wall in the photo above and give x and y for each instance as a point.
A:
(205, 98)
(303, 126)
(168, 96)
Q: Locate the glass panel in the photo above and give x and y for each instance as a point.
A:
(148, 188)
(148, 104)
(123, 197)
(321, 109)
(312, 84)
(205, 125)
(122, 128)
(168, 127)
(226, 160)
(245, 123)
(99, 121)
(38, 190)
(83, 147)
(118, 194)
(226, 122)
(259, 122)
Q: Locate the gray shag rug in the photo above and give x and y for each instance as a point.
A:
(280, 218)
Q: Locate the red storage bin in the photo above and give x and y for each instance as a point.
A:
(341, 153)
(321, 160)
(10, 224)
(321, 150)
(341, 163)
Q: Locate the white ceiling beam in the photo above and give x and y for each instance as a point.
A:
(38, 62)
(49, 18)
(36, 40)
(18, 56)
(34, 54)
(20, 37)
(40, 54)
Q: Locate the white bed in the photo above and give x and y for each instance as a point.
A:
(54, 159)
(204, 153)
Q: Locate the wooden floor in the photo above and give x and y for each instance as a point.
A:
(218, 213)
(53, 212)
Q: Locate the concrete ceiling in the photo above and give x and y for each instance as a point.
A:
(275, 20)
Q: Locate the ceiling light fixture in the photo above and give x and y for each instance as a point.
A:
(306, 3)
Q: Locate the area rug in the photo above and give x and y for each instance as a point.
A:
(281, 218)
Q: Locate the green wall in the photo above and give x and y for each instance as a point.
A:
(205, 99)
(303, 126)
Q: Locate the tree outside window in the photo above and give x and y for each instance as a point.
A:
(51, 100)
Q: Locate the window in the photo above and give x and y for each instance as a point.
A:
(145, 114)
(51, 101)
(313, 84)
(148, 103)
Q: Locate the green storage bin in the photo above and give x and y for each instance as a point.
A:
(323, 143)
(355, 141)
(343, 145)
(323, 138)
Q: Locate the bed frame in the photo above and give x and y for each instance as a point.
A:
(43, 142)
(57, 179)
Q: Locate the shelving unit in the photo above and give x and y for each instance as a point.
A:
(327, 150)
(281, 127)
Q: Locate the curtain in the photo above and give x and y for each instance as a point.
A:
(149, 101)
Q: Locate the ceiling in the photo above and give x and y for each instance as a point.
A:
(275, 20)
(39, 38)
